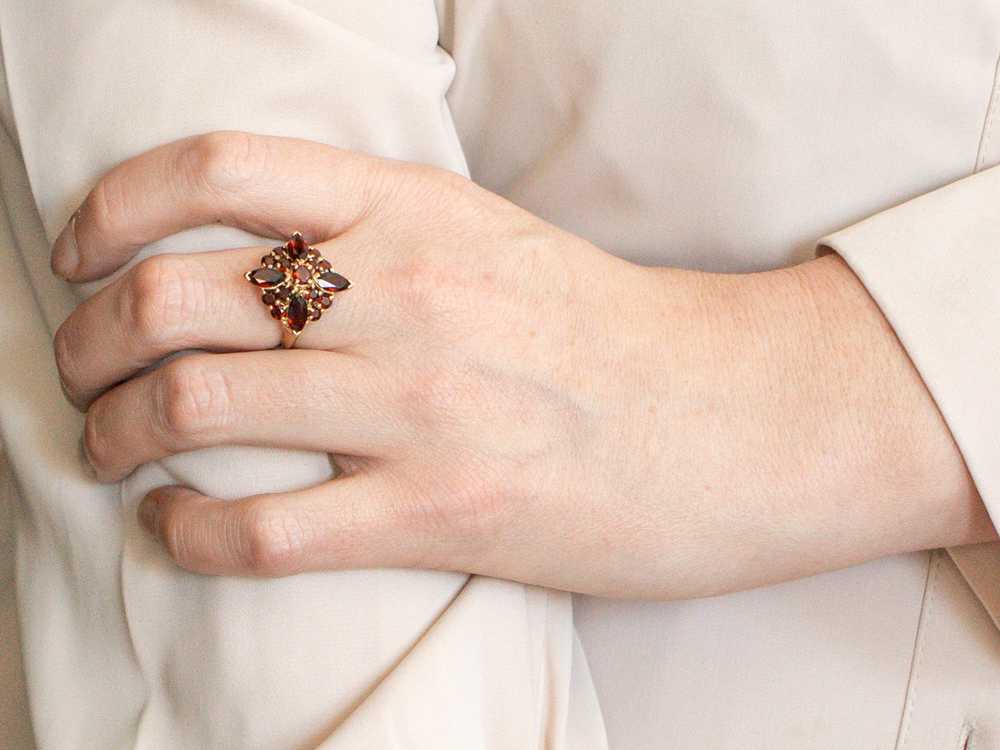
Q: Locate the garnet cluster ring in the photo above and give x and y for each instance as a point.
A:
(297, 283)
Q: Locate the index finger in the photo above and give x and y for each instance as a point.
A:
(267, 185)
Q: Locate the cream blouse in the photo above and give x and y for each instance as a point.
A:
(731, 135)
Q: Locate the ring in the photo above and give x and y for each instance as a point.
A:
(297, 283)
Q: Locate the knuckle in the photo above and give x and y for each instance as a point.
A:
(439, 195)
(177, 536)
(409, 193)
(194, 399)
(465, 514)
(273, 541)
(447, 179)
(438, 397)
(423, 399)
(224, 161)
(162, 298)
(437, 179)
(444, 195)
(110, 206)
(417, 270)
(423, 289)
(480, 505)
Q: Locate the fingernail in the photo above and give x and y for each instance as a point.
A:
(147, 515)
(65, 251)
(88, 466)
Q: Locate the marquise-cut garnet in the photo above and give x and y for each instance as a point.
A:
(332, 282)
(298, 312)
(266, 277)
(296, 246)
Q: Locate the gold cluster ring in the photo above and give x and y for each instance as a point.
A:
(298, 285)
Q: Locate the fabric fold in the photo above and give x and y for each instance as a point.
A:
(377, 656)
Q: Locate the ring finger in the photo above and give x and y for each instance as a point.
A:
(169, 303)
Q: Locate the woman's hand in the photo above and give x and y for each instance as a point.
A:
(503, 397)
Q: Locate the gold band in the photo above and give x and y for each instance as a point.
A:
(288, 338)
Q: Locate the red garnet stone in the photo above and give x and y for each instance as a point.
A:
(296, 282)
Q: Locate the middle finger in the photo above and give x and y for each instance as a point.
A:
(305, 399)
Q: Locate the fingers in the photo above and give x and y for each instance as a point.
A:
(357, 521)
(311, 400)
(169, 303)
(267, 185)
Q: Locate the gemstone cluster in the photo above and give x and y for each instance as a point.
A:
(296, 283)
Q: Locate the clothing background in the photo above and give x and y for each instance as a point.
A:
(730, 135)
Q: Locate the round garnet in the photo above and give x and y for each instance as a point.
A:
(303, 274)
(325, 301)
(268, 298)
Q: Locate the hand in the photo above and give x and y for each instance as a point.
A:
(503, 397)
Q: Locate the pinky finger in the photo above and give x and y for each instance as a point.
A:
(356, 521)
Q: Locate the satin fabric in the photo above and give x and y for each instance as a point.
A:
(731, 135)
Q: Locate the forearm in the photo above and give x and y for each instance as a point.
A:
(820, 423)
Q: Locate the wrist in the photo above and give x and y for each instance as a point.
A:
(792, 420)
(876, 443)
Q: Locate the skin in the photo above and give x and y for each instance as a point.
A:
(503, 397)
